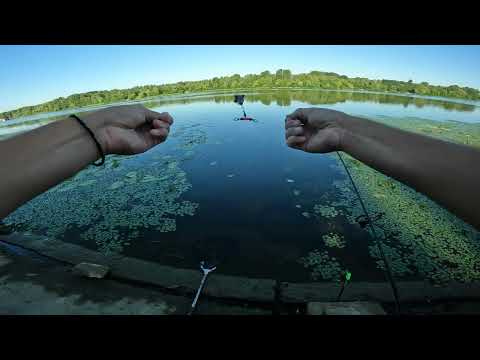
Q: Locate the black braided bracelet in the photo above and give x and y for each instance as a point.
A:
(100, 150)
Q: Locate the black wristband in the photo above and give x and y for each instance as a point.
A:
(99, 147)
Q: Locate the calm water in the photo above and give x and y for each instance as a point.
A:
(255, 197)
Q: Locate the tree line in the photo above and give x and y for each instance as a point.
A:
(282, 78)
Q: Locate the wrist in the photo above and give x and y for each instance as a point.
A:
(343, 125)
(353, 130)
(99, 128)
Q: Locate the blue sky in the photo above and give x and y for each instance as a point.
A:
(33, 74)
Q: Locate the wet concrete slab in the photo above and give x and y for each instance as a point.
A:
(345, 308)
(127, 268)
(219, 288)
(30, 287)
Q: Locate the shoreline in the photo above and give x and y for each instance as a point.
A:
(179, 96)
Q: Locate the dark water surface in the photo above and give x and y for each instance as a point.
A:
(255, 196)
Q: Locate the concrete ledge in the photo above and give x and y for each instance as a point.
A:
(345, 308)
(409, 291)
(223, 286)
(128, 268)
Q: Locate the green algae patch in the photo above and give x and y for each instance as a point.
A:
(419, 237)
(116, 185)
(334, 240)
(322, 266)
(454, 131)
(113, 204)
(326, 211)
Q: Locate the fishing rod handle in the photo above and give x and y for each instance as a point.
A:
(197, 295)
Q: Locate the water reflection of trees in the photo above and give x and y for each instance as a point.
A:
(285, 98)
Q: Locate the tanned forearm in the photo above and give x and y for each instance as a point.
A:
(446, 172)
(37, 160)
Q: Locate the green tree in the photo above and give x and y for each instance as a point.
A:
(281, 78)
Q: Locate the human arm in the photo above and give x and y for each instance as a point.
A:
(37, 160)
(448, 173)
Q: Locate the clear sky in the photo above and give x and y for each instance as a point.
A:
(33, 74)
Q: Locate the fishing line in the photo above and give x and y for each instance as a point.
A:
(377, 241)
(239, 99)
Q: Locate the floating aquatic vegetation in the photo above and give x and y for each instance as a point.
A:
(115, 163)
(429, 239)
(116, 185)
(459, 132)
(398, 263)
(149, 178)
(334, 240)
(110, 205)
(322, 265)
(190, 136)
(326, 211)
(87, 183)
(167, 225)
(422, 238)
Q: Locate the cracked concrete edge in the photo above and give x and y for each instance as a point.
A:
(128, 268)
(234, 287)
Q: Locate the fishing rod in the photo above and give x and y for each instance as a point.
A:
(206, 269)
(377, 241)
(347, 275)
